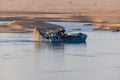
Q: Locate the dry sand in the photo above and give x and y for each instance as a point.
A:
(59, 6)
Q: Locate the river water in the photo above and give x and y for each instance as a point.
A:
(23, 59)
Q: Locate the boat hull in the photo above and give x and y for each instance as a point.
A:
(76, 39)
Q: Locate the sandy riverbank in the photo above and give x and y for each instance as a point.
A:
(107, 26)
(23, 26)
(26, 21)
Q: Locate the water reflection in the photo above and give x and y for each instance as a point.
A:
(57, 46)
(52, 55)
(49, 46)
(48, 56)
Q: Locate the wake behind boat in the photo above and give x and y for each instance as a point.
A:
(58, 36)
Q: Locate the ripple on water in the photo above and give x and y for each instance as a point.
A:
(80, 55)
(65, 71)
(6, 57)
(116, 67)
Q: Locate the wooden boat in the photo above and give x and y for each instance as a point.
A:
(58, 36)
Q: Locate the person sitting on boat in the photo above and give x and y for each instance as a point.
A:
(61, 33)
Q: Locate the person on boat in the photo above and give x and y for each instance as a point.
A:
(61, 33)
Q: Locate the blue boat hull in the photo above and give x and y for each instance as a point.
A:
(73, 39)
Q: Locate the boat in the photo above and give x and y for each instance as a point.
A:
(58, 36)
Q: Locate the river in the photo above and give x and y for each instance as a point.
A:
(23, 59)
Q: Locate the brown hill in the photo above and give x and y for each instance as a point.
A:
(59, 5)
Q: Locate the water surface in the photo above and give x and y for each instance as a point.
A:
(23, 59)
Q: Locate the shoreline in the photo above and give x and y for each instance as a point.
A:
(25, 26)
(29, 20)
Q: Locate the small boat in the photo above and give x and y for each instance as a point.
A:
(58, 36)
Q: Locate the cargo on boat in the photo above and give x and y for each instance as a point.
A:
(58, 36)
